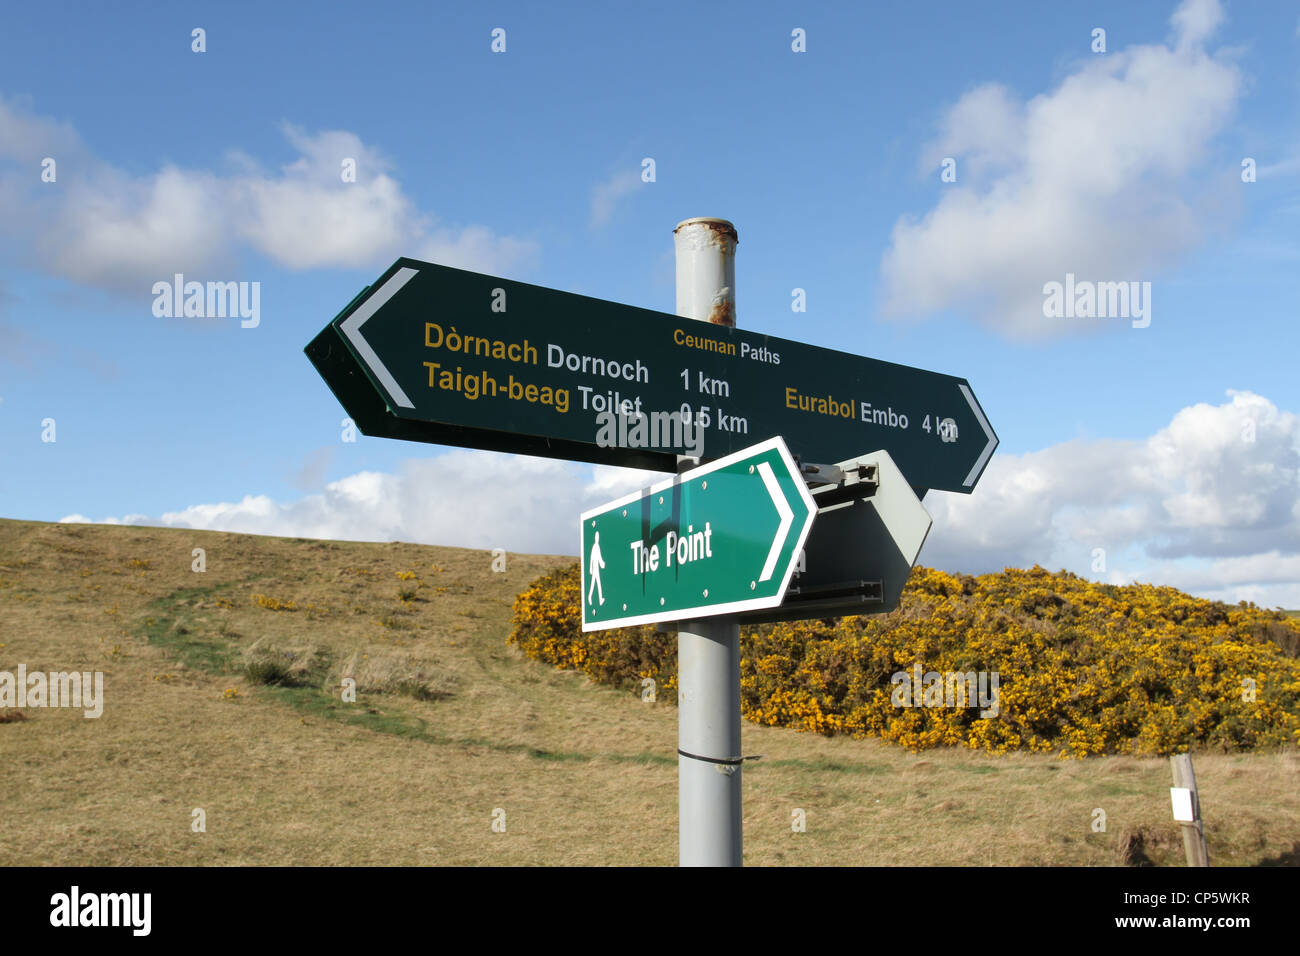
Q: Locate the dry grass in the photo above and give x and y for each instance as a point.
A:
(221, 701)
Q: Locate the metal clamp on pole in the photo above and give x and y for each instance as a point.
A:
(836, 484)
(869, 528)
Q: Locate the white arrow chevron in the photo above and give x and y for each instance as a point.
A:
(992, 440)
(787, 518)
(351, 327)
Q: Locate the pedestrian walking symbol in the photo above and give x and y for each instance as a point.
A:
(593, 570)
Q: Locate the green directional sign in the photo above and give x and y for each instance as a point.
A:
(719, 539)
(440, 355)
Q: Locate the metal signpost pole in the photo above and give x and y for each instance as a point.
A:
(708, 651)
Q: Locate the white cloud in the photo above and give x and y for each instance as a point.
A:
(307, 217)
(986, 127)
(1196, 505)
(132, 519)
(120, 231)
(605, 196)
(1199, 505)
(477, 249)
(514, 502)
(28, 139)
(1195, 21)
(117, 232)
(1090, 178)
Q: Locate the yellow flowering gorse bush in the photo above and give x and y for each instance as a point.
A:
(548, 627)
(1083, 668)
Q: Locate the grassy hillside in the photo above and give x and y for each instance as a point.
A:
(450, 724)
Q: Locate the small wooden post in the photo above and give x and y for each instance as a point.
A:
(1194, 830)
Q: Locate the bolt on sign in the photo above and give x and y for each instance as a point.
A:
(441, 355)
(719, 539)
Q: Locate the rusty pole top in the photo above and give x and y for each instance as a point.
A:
(722, 228)
(706, 271)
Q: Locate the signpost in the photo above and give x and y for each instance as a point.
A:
(719, 539)
(441, 355)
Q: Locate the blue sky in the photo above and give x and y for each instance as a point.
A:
(1117, 166)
